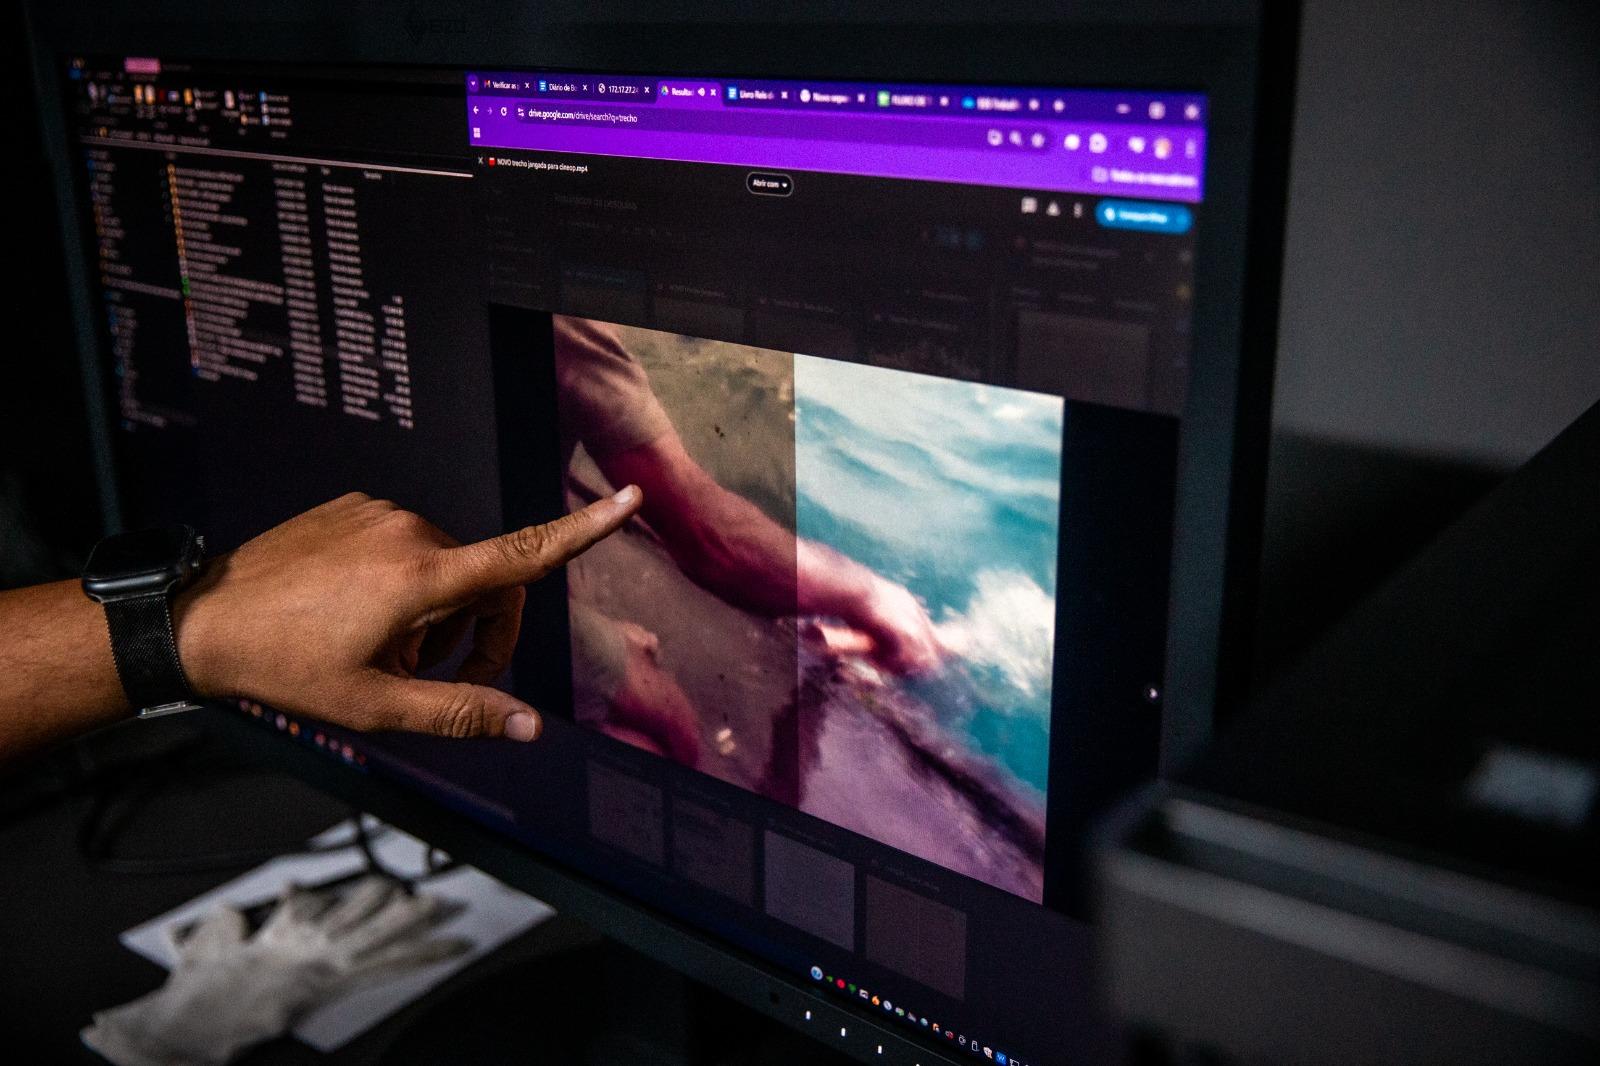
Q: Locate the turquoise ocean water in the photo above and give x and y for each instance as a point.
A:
(953, 490)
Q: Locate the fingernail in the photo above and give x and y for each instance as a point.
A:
(627, 496)
(523, 726)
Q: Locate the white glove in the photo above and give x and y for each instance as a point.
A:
(230, 990)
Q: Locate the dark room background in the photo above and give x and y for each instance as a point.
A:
(48, 512)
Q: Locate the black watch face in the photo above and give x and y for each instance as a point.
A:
(142, 550)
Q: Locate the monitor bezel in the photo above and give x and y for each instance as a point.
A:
(1240, 54)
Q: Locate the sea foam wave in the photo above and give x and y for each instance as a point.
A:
(1009, 624)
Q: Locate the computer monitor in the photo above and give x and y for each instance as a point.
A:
(941, 351)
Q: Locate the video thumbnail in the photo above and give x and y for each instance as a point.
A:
(840, 593)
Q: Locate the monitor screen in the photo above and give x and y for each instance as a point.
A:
(900, 368)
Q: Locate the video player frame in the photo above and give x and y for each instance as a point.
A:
(840, 592)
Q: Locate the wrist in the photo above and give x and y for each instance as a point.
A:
(200, 626)
(830, 583)
(883, 602)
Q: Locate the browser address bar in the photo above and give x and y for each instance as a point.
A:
(1014, 151)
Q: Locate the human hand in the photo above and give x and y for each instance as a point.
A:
(886, 623)
(333, 613)
(649, 709)
(903, 637)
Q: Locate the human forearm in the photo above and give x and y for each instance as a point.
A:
(57, 677)
(748, 559)
(830, 583)
(57, 674)
(731, 547)
(742, 556)
(720, 540)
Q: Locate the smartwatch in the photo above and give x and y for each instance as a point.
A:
(134, 576)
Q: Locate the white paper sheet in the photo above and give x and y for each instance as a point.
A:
(490, 915)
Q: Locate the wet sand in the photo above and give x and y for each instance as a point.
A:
(738, 669)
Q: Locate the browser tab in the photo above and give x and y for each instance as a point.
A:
(1095, 141)
(905, 100)
(689, 93)
(825, 97)
(996, 103)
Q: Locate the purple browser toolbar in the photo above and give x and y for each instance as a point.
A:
(1140, 144)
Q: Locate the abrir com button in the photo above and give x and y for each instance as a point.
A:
(766, 183)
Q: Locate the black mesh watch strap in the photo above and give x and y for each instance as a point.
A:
(146, 651)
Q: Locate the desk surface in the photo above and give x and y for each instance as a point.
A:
(62, 914)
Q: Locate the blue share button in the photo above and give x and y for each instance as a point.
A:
(1143, 215)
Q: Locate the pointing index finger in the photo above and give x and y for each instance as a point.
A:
(525, 555)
